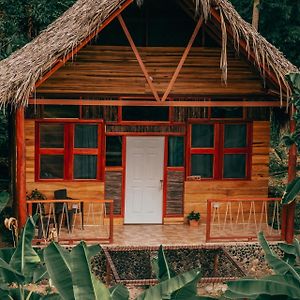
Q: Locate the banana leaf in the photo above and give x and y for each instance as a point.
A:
(25, 259)
(6, 254)
(10, 274)
(164, 289)
(275, 285)
(161, 266)
(119, 292)
(264, 244)
(40, 273)
(58, 263)
(85, 284)
(291, 192)
(4, 198)
(281, 267)
(297, 247)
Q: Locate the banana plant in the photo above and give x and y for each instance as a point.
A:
(284, 284)
(172, 286)
(291, 192)
(71, 274)
(21, 265)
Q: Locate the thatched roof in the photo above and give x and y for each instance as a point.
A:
(20, 71)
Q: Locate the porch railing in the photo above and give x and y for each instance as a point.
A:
(70, 221)
(242, 219)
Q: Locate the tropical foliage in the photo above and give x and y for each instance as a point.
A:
(172, 286)
(20, 266)
(284, 284)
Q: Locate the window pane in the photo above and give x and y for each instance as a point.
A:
(86, 136)
(52, 135)
(61, 111)
(227, 112)
(234, 166)
(135, 113)
(202, 165)
(52, 166)
(85, 166)
(114, 151)
(176, 151)
(202, 136)
(235, 136)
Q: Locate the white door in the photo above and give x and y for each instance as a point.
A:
(144, 175)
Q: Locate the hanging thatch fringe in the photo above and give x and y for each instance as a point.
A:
(20, 72)
(223, 60)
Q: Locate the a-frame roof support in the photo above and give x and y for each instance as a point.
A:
(182, 60)
(138, 57)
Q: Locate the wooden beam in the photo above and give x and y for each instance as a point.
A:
(138, 57)
(203, 103)
(21, 169)
(60, 62)
(182, 60)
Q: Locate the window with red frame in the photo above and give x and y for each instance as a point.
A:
(68, 151)
(220, 150)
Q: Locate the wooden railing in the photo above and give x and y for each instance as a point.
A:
(242, 219)
(70, 221)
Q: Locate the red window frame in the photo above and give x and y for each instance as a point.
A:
(69, 151)
(218, 151)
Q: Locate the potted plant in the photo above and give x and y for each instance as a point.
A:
(194, 218)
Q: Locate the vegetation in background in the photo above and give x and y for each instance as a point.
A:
(279, 22)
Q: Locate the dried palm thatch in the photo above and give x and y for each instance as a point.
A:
(20, 72)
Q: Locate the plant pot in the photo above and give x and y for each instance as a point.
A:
(194, 223)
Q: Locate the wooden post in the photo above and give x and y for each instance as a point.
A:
(255, 14)
(21, 172)
(290, 209)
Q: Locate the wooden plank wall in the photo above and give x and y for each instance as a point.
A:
(197, 192)
(88, 190)
(114, 70)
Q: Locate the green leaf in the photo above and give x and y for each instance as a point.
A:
(273, 285)
(85, 284)
(6, 255)
(4, 198)
(164, 289)
(297, 247)
(287, 248)
(264, 244)
(58, 263)
(93, 250)
(281, 267)
(51, 297)
(119, 292)
(294, 80)
(10, 274)
(291, 192)
(40, 273)
(25, 259)
(164, 272)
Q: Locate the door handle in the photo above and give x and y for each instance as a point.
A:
(161, 183)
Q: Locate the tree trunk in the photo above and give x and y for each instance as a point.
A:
(255, 14)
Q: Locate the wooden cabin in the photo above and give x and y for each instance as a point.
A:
(159, 107)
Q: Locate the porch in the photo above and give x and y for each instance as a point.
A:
(226, 220)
